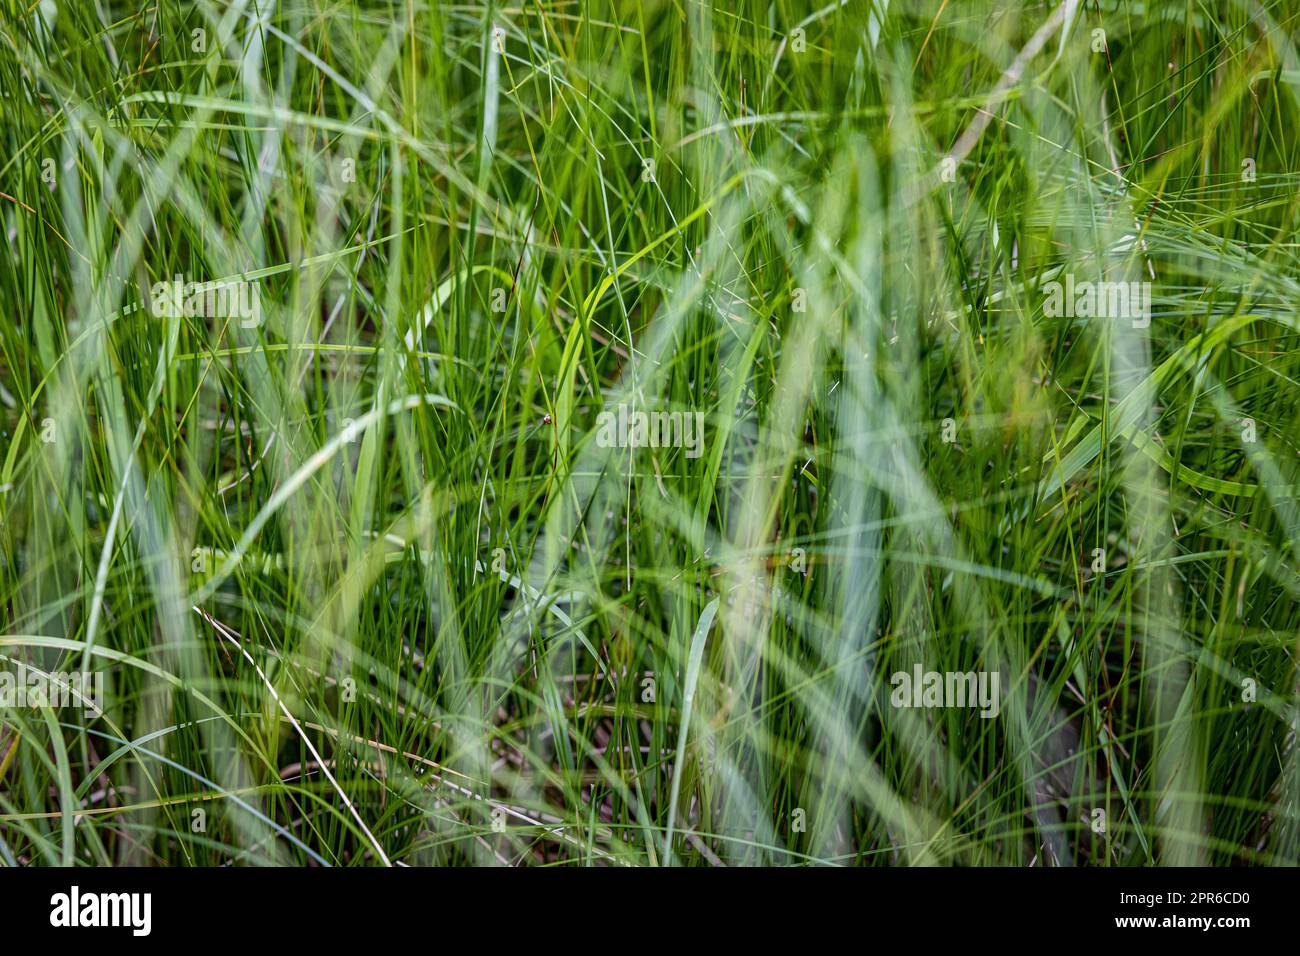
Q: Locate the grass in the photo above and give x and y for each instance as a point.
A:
(364, 583)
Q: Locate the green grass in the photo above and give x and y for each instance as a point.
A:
(365, 585)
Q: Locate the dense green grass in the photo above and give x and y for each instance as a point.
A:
(363, 583)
